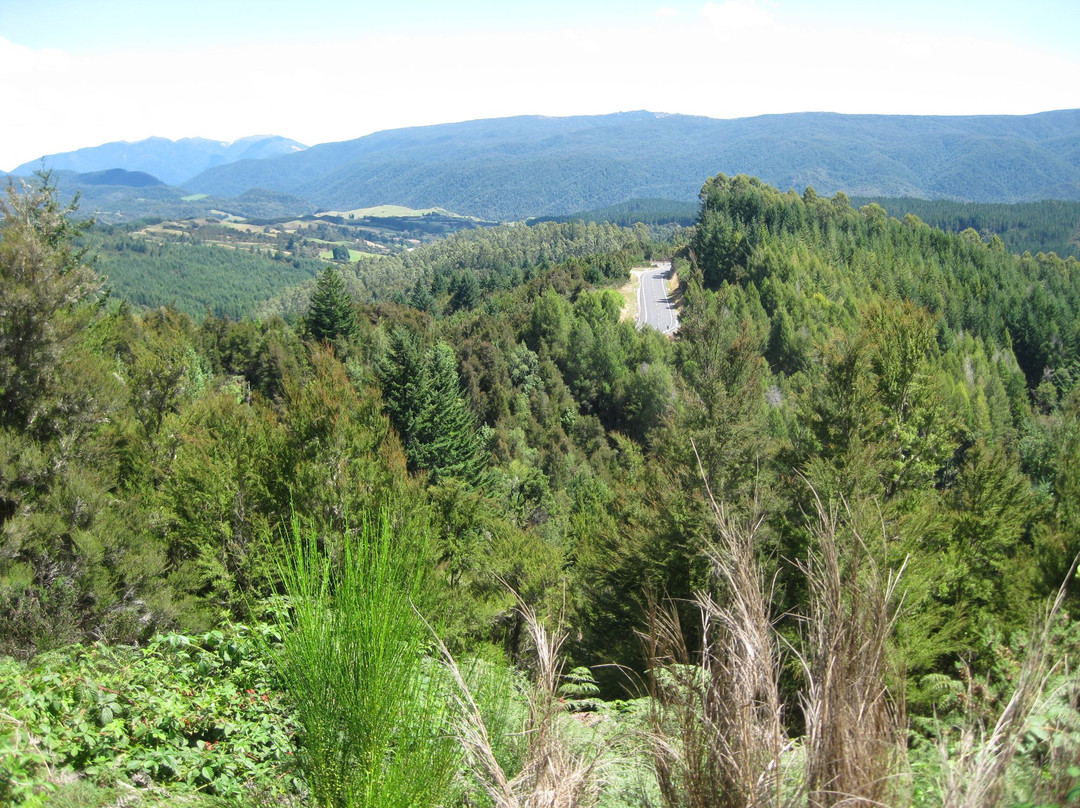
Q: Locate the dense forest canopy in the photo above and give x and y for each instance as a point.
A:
(1034, 227)
(839, 496)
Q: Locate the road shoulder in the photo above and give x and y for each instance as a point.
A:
(630, 293)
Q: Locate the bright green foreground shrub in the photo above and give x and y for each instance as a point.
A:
(371, 703)
(197, 711)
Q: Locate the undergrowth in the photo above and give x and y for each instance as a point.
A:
(198, 713)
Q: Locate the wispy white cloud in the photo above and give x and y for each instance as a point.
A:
(18, 61)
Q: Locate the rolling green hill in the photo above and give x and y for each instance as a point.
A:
(116, 195)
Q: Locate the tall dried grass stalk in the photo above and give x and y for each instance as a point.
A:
(554, 774)
(718, 735)
(854, 739)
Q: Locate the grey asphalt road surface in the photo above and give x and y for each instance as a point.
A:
(655, 308)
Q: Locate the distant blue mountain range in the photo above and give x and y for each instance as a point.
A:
(171, 161)
(514, 168)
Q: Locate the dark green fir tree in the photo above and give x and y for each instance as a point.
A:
(331, 315)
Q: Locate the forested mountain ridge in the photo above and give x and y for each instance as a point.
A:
(512, 168)
(531, 166)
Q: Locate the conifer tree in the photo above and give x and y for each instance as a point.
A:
(43, 276)
(403, 374)
(465, 292)
(331, 315)
(446, 438)
(426, 405)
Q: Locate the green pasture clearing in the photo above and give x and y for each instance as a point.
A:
(387, 211)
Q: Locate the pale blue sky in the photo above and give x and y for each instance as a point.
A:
(82, 25)
(76, 73)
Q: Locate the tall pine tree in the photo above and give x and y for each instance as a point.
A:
(426, 405)
(331, 315)
(446, 438)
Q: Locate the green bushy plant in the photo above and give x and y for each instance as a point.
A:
(202, 712)
(579, 691)
(371, 705)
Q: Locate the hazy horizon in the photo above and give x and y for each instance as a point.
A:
(79, 75)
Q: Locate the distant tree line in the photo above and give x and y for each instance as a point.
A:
(1034, 227)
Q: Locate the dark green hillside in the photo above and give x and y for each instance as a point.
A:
(464, 270)
(119, 176)
(514, 168)
(258, 203)
(196, 278)
(1035, 227)
(116, 196)
(1028, 304)
(646, 211)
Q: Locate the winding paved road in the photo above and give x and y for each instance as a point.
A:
(654, 306)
